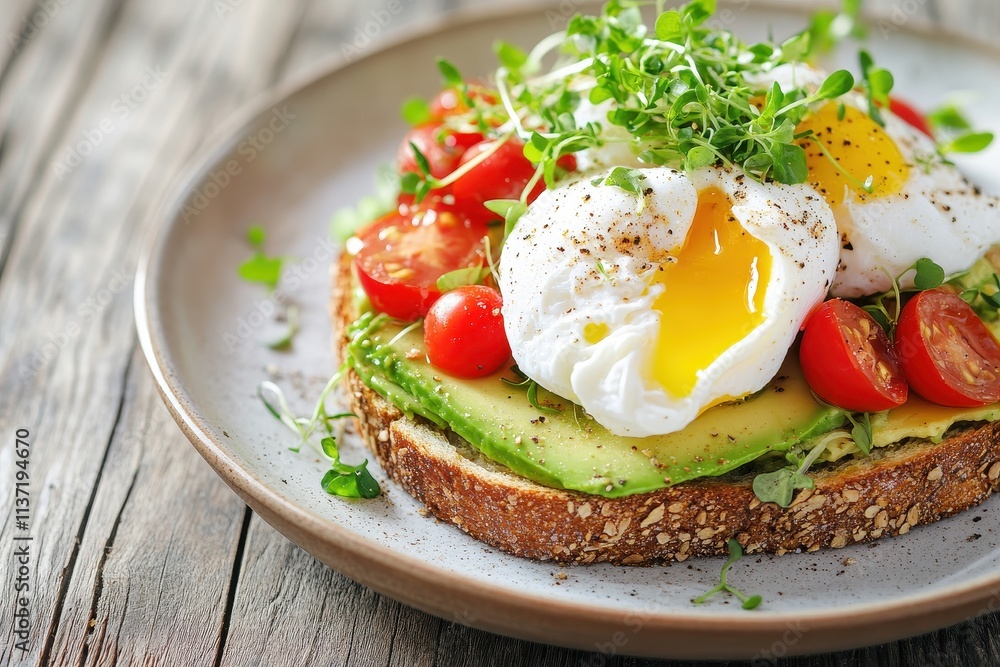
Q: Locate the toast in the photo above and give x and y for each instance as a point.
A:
(887, 493)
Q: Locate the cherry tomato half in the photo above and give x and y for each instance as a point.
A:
(464, 334)
(442, 148)
(401, 258)
(848, 361)
(947, 353)
(909, 113)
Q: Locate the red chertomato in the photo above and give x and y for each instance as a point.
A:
(848, 361)
(449, 101)
(464, 334)
(502, 175)
(947, 353)
(910, 114)
(401, 258)
(443, 148)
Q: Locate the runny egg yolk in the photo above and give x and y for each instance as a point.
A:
(860, 147)
(713, 294)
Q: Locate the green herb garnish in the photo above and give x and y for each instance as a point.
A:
(260, 268)
(749, 601)
(344, 480)
(531, 390)
(927, 275)
(292, 320)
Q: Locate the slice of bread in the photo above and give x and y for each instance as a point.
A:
(887, 493)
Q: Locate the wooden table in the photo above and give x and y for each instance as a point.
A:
(140, 554)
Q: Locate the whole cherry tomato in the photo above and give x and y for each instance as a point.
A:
(464, 333)
(502, 175)
(442, 148)
(947, 353)
(848, 361)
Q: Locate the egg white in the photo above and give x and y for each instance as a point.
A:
(568, 264)
(936, 214)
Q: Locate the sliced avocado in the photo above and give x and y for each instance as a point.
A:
(570, 450)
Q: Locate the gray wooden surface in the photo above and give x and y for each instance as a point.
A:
(140, 554)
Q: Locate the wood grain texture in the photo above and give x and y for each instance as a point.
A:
(142, 555)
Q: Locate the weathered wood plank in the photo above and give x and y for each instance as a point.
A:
(153, 570)
(71, 262)
(20, 22)
(290, 609)
(41, 86)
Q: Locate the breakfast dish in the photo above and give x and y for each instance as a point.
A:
(191, 302)
(576, 335)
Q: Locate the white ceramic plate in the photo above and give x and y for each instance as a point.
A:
(318, 146)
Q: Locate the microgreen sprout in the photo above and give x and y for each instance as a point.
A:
(749, 601)
(292, 328)
(955, 132)
(927, 275)
(260, 268)
(779, 486)
(531, 390)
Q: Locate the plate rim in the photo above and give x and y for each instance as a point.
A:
(954, 600)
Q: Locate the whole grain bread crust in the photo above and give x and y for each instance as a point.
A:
(887, 493)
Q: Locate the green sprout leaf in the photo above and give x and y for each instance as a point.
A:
(929, 274)
(789, 163)
(836, 84)
(698, 157)
(415, 111)
(779, 486)
(970, 142)
(861, 432)
(462, 277)
(509, 55)
(880, 81)
(735, 553)
(292, 328)
(450, 74)
(255, 236)
(510, 209)
(262, 269)
(669, 27)
(420, 159)
(948, 117)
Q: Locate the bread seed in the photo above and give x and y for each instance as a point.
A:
(994, 471)
(705, 533)
(702, 516)
(654, 516)
(610, 529)
(584, 511)
(851, 495)
(383, 435)
(839, 541)
(882, 520)
(935, 474)
(662, 538)
(904, 529)
(913, 516)
(676, 508)
(872, 511)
